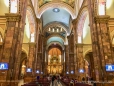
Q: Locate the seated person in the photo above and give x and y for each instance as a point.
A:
(75, 81)
(72, 82)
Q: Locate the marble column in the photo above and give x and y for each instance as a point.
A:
(36, 41)
(74, 22)
(9, 49)
(104, 44)
(66, 59)
(63, 62)
(96, 53)
(39, 54)
(31, 57)
(71, 54)
(80, 59)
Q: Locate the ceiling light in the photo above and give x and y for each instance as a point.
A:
(56, 10)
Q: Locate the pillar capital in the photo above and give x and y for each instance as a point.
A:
(13, 17)
(101, 19)
(74, 21)
(32, 44)
(38, 20)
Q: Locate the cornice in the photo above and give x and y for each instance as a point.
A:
(101, 19)
(81, 44)
(32, 44)
(12, 17)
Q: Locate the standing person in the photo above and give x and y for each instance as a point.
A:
(38, 77)
(58, 79)
(83, 79)
(53, 78)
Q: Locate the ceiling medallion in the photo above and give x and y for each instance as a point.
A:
(56, 10)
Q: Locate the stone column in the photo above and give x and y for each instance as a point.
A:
(104, 44)
(74, 22)
(38, 66)
(39, 54)
(62, 61)
(80, 59)
(9, 50)
(94, 37)
(71, 55)
(46, 61)
(31, 57)
(17, 65)
(66, 59)
(36, 47)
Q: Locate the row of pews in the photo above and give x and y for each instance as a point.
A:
(40, 82)
(67, 83)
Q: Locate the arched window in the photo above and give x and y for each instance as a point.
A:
(14, 6)
(101, 7)
(79, 39)
(32, 37)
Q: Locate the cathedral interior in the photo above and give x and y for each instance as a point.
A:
(72, 38)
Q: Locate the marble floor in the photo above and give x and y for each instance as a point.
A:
(58, 84)
(21, 82)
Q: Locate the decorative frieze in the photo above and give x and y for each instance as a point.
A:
(102, 19)
(13, 17)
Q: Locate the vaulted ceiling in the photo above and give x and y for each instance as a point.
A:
(56, 14)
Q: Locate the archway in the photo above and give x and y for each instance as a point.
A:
(89, 68)
(55, 5)
(22, 68)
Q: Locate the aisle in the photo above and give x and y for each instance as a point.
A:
(58, 84)
(21, 82)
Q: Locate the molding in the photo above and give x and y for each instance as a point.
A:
(101, 19)
(32, 44)
(12, 17)
(62, 46)
(63, 5)
(56, 24)
(81, 44)
(57, 35)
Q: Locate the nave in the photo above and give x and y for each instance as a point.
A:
(54, 81)
(73, 38)
(21, 83)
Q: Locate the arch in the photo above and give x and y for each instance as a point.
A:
(24, 50)
(87, 51)
(2, 32)
(56, 24)
(53, 43)
(31, 17)
(112, 40)
(82, 17)
(52, 35)
(56, 5)
(112, 35)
